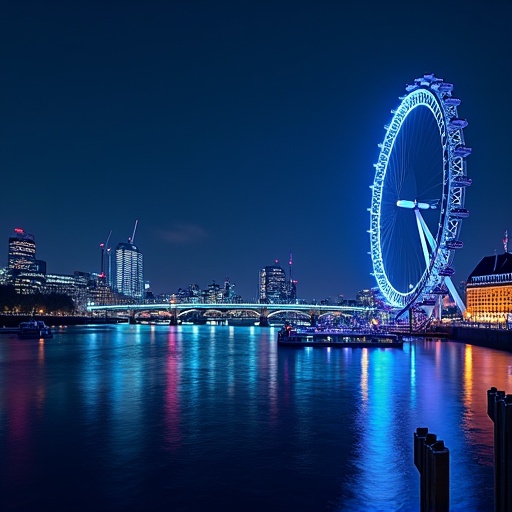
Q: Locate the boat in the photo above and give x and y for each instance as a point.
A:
(34, 330)
(9, 330)
(339, 338)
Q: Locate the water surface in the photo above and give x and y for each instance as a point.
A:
(138, 417)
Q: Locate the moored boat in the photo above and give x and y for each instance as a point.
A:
(34, 330)
(339, 338)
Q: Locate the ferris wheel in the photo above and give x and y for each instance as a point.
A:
(418, 194)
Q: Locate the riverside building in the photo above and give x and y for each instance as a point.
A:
(489, 290)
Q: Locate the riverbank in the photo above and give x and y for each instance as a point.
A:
(486, 336)
(500, 339)
(53, 320)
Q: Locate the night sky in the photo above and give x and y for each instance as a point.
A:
(236, 132)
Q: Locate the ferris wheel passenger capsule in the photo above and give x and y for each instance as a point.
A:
(454, 102)
(461, 181)
(444, 87)
(459, 213)
(457, 124)
(454, 244)
(462, 151)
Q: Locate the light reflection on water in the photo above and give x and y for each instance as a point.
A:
(157, 417)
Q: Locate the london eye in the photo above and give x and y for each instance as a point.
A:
(418, 194)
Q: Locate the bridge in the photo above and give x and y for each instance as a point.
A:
(261, 311)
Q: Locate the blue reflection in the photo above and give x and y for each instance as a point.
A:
(147, 416)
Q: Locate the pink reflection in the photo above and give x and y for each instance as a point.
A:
(24, 395)
(173, 434)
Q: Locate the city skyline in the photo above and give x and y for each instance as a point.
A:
(236, 134)
(122, 269)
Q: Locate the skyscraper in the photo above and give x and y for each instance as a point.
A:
(129, 272)
(273, 285)
(26, 272)
(22, 251)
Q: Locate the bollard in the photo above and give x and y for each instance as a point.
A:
(438, 483)
(499, 410)
(499, 473)
(491, 396)
(419, 441)
(419, 438)
(432, 459)
(507, 450)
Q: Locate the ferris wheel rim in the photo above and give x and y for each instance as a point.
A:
(428, 93)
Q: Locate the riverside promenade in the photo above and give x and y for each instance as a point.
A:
(496, 336)
(488, 336)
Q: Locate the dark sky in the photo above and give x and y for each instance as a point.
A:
(236, 132)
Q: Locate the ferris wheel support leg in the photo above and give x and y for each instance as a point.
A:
(449, 283)
(426, 231)
(455, 295)
(422, 228)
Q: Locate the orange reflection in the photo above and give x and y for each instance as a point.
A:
(467, 378)
(482, 369)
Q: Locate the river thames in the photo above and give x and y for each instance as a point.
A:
(196, 418)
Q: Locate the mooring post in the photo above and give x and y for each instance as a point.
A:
(499, 410)
(438, 483)
(432, 459)
(419, 440)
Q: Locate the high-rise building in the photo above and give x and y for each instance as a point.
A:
(366, 298)
(26, 272)
(273, 285)
(213, 294)
(129, 272)
(22, 251)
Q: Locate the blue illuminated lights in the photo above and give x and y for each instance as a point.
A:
(418, 195)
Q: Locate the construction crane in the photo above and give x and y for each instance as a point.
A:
(131, 240)
(103, 248)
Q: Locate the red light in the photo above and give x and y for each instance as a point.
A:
(18, 230)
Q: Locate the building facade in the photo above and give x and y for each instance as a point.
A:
(273, 285)
(22, 251)
(129, 271)
(489, 290)
(26, 273)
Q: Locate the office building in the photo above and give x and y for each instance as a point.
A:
(273, 285)
(26, 273)
(129, 272)
(22, 251)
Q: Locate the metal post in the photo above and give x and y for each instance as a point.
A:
(499, 410)
(507, 449)
(438, 471)
(419, 441)
(432, 459)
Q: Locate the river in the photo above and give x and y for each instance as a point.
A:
(195, 418)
